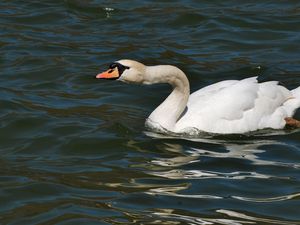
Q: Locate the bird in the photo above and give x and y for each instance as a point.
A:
(225, 107)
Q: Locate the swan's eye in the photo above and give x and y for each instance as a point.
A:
(113, 65)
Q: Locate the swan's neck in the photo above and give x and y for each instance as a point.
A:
(168, 112)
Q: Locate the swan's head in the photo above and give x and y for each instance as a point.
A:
(125, 70)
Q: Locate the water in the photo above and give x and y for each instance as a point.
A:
(74, 149)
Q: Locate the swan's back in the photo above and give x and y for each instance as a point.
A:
(238, 106)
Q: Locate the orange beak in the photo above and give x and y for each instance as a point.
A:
(109, 74)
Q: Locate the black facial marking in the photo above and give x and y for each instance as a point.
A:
(112, 65)
(120, 67)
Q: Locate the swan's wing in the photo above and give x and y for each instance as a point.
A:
(226, 99)
(208, 91)
(236, 107)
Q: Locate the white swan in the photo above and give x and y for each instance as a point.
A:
(227, 107)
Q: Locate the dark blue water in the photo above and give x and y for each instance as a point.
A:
(74, 149)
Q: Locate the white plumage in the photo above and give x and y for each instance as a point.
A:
(234, 106)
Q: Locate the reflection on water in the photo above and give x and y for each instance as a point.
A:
(175, 168)
(248, 152)
(238, 218)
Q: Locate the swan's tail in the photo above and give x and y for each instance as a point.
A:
(295, 103)
(292, 103)
(296, 93)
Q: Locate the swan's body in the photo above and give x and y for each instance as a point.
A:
(231, 106)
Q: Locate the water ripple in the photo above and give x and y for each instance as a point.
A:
(75, 150)
(273, 199)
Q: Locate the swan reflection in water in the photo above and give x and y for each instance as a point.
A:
(177, 158)
(248, 148)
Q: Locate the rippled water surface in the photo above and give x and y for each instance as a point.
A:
(74, 149)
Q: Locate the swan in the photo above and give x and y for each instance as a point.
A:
(226, 107)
